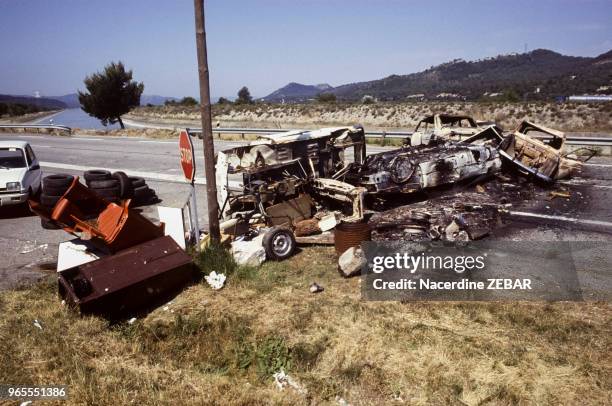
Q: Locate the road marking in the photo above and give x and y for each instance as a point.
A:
(147, 175)
(560, 218)
(159, 142)
(601, 165)
(578, 183)
(46, 118)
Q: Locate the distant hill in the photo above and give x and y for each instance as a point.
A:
(72, 100)
(297, 92)
(154, 99)
(42, 103)
(540, 74)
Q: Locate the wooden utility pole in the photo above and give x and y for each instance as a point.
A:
(207, 137)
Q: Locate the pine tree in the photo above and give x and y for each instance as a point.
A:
(112, 93)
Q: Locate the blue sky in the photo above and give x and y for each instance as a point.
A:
(50, 46)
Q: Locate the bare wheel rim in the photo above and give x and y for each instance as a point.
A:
(281, 244)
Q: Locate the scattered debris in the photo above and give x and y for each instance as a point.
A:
(283, 380)
(554, 194)
(351, 262)
(150, 271)
(31, 248)
(316, 288)
(249, 252)
(37, 324)
(215, 280)
(132, 320)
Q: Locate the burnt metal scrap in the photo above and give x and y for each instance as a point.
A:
(425, 164)
(295, 179)
(462, 217)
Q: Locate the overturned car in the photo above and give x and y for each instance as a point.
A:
(427, 163)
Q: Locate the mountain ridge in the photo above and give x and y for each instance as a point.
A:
(539, 74)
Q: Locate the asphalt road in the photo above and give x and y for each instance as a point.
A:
(28, 249)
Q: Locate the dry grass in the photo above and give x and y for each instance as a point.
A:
(221, 347)
(386, 115)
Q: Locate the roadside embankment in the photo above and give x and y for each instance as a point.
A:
(570, 117)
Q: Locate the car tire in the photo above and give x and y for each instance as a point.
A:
(96, 174)
(49, 224)
(48, 201)
(60, 181)
(103, 184)
(108, 192)
(126, 190)
(137, 181)
(54, 191)
(141, 191)
(279, 243)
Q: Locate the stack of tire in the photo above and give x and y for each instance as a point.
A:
(118, 186)
(53, 188)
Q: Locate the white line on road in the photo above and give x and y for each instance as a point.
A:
(561, 218)
(578, 183)
(601, 165)
(148, 175)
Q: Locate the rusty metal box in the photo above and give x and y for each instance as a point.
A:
(133, 279)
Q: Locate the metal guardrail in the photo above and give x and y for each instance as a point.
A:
(571, 140)
(37, 126)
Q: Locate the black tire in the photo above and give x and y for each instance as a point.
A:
(103, 184)
(279, 243)
(57, 181)
(137, 181)
(96, 174)
(48, 201)
(142, 191)
(54, 191)
(108, 192)
(126, 190)
(49, 224)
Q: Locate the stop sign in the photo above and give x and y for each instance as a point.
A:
(187, 156)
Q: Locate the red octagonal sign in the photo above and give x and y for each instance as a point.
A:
(187, 156)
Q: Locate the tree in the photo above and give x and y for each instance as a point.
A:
(223, 100)
(244, 96)
(188, 101)
(112, 93)
(326, 98)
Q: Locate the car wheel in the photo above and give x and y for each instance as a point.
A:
(279, 243)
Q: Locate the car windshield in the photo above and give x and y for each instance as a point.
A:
(12, 158)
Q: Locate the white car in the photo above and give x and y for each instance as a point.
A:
(20, 173)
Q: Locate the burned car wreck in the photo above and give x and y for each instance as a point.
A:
(280, 180)
(310, 182)
(426, 163)
(541, 158)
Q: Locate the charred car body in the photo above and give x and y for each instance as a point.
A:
(448, 126)
(542, 159)
(275, 178)
(432, 162)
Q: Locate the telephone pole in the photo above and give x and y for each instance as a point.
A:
(205, 112)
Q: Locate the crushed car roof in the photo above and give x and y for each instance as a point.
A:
(299, 135)
(528, 125)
